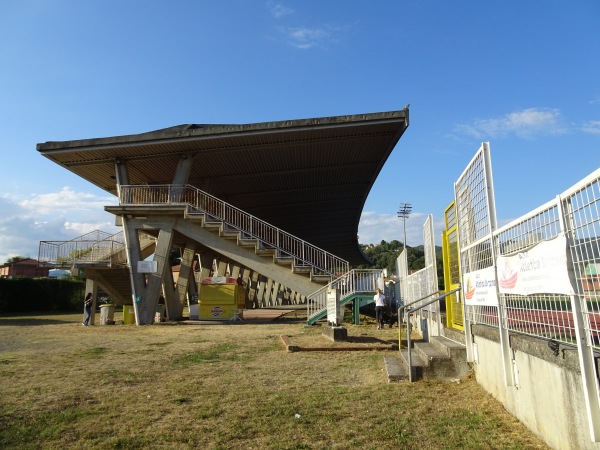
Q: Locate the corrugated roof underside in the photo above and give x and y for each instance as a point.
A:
(311, 182)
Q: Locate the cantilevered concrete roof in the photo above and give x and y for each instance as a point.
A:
(309, 177)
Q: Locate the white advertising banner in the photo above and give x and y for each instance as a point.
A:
(542, 269)
(333, 307)
(147, 266)
(479, 288)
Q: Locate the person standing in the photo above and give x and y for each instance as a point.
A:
(87, 309)
(380, 304)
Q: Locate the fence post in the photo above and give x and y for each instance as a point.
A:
(583, 339)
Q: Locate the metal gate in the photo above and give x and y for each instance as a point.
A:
(454, 303)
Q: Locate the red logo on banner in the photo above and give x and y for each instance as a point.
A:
(216, 311)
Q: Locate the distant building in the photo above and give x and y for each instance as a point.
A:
(25, 267)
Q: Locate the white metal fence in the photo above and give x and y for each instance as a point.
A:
(538, 275)
(423, 282)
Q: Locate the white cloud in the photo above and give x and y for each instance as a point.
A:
(52, 216)
(66, 199)
(279, 10)
(304, 37)
(592, 127)
(526, 123)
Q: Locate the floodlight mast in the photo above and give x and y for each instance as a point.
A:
(404, 213)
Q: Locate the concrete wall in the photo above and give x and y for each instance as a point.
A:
(548, 396)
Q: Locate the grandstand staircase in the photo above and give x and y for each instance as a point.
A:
(213, 224)
(355, 287)
(259, 247)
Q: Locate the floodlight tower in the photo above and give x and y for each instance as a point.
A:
(404, 213)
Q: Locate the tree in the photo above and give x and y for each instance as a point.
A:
(385, 254)
(15, 259)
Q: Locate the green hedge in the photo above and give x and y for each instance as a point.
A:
(41, 294)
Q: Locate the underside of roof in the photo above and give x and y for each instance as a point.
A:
(309, 177)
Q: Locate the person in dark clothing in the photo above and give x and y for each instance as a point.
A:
(87, 309)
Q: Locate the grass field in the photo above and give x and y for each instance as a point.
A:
(226, 386)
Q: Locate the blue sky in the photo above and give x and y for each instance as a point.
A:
(524, 76)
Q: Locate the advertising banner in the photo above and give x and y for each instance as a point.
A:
(542, 269)
(333, 307)
(479, 288)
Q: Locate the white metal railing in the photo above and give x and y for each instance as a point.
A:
(353, 282)
(422, 283)
(96, 247)
(199, 202)
(538, 275)
(91, 247)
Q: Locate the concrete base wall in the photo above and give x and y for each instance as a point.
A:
(548, 394)
(427, 324)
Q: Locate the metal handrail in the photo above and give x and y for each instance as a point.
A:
(400, 308)
(352, 282)
(200, 202)
(83, 250)
(408, 330)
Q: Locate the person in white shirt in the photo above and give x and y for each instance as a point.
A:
(380, 304)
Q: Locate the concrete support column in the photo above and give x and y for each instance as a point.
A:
(221, 268)
(252, 291)
(186, 277)
(180, 179)
(192, 287)
(205, 265)
(155, 280)
(235, 270)
(121, 174)
(268, 292)
(260, 291)
(138, 282)
(170, 292)
(182, 173)
(275, 294)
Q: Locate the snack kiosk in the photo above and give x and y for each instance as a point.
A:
(221, 298)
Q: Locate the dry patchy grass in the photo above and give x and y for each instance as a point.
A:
(226, 386)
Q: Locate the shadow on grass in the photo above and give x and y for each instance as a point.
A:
(19, 320)
(365, 340)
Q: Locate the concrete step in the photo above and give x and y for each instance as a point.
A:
(454, 335)
(439, 359)
(417, 364)
(247, 242)
(320, 278)
(215, 226)
(449, 347)
(394, 369)
(284, 260)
